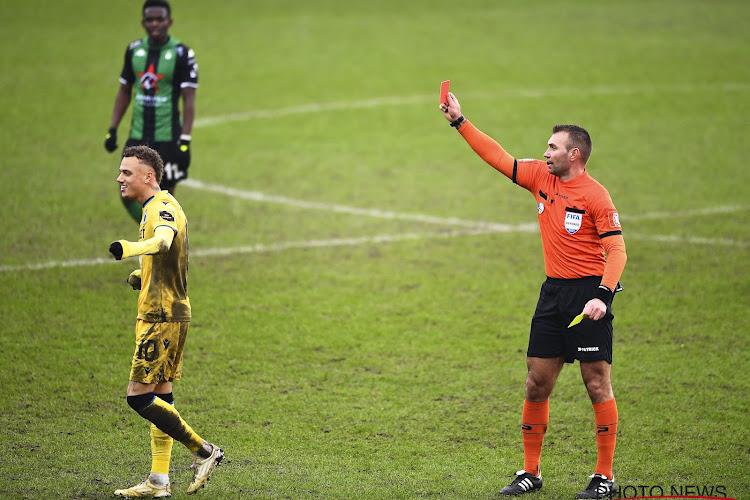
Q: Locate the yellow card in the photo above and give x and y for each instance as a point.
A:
(577, 320)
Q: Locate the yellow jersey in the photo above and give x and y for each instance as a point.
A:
(163, 296)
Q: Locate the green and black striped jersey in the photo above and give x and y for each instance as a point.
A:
(158, 75)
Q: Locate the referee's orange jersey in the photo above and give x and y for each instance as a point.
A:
(579, 224)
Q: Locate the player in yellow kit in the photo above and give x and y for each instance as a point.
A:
(162, 324)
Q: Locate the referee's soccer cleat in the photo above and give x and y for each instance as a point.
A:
(145, 490)
(523, 483)
(203, 467)
(599, 487)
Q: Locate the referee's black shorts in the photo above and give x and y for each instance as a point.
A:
(560, 300)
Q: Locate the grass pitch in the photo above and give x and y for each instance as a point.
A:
(357, 332)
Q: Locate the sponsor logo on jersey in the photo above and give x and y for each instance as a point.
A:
(166, 216)
(573, 222)
(149, 79)
(153, 101)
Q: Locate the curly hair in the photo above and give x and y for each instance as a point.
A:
(148, 157)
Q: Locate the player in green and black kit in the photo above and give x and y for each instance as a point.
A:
(161, 69)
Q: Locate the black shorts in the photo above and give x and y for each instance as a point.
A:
(561, 300)
(174, 170)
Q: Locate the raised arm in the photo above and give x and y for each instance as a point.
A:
(487, 148)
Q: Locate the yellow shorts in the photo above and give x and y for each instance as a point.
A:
(158, 352)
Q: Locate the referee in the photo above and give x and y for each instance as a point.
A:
(584, 257)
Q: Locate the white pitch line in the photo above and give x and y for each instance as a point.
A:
(339, 242)
(501, 94)
(276, 247)
(56, 264)
(725, 209)
(471, 228)
(309, 108)
(452, 221)
(368, 212)
(697, 240)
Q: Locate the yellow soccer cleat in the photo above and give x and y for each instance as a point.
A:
(145, 490)
(203, 467)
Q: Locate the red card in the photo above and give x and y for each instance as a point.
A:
(444, 91)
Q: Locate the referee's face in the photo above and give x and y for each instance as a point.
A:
(558, 160)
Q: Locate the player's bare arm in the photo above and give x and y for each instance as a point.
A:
(122, 101)
(188, 110)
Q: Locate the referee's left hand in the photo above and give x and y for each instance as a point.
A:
(595, 309)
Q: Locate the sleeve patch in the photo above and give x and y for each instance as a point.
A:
(614, 219)
(166, 216)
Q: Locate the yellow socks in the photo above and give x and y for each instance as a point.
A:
(161, 451)
(165, 417)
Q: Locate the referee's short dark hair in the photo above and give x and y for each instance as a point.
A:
(157, 3)
(577, 138)
(147, 156)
